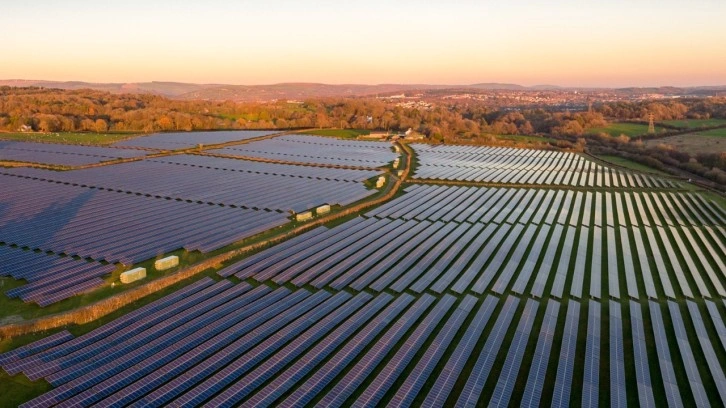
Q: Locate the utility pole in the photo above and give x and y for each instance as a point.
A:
(651, 124)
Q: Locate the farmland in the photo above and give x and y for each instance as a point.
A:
(624, 128)
(342, 133)
(72, 138)
(495, 276)
(694, 123)
(706, 142)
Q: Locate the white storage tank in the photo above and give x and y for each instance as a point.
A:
(304, 216)
(323, 209)
(381, 181)
(166, 263)
(133, 275)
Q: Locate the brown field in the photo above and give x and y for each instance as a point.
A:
(692, 143)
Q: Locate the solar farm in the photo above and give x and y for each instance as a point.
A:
(491, 277)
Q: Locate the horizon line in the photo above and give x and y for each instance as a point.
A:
(371, 84)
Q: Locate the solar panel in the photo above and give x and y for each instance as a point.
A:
(612, 260)
(71, 225)
(474, 386)
(665, 362)
(538, 367)
(280, 188)
(288, 378)
(709, 352)
(689, 361)
(618, 396)
(591, 375)
(385, 378)
(307, 391)
(416, 379)
(566, 361)
(547, 264)
(529, 265)
(62, 155)
(596, 263)
(300, 334)
(183, 140)
(357, 374)
(508, 376)
(315, 149)
(640, 353)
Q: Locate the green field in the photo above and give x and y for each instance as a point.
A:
(713, 132)
(622, 128)
(343, 133)
(74, 138)
(525, 139)
(621, 161)
(694, 123)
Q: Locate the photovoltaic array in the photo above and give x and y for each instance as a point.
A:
(65, 220)
(315, 149)
(506, 165)
(186, 140)
(605, 291)
(63, 155)
(279, 188)
(51, 278)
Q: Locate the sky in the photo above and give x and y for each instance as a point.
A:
(607, 43)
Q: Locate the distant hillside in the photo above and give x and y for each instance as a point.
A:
(298, 91)
(170, 89)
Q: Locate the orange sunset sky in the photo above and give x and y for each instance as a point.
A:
(570, 43)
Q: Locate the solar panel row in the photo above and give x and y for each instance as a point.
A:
(686, 353)
(51, 278)
(62, 155)
(416, 379)
(538, 368)
(225, 344)
(640, 351)
(566, 366)
(385, 251)
(507, 377)
(185, 140)
(115, 227)
(591, 375)
(305, 172)
(474, 386)
(618, 397)
(315, 149)
(287, 189)
(522, 166)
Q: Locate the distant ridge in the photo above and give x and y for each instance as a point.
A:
(303, 90)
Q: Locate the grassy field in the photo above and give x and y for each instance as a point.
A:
(343, 133)
(693, 143)
(75, 138)
(621, 161)
(712, 132)
(525, 139)
(694, 123)
(622, 128)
